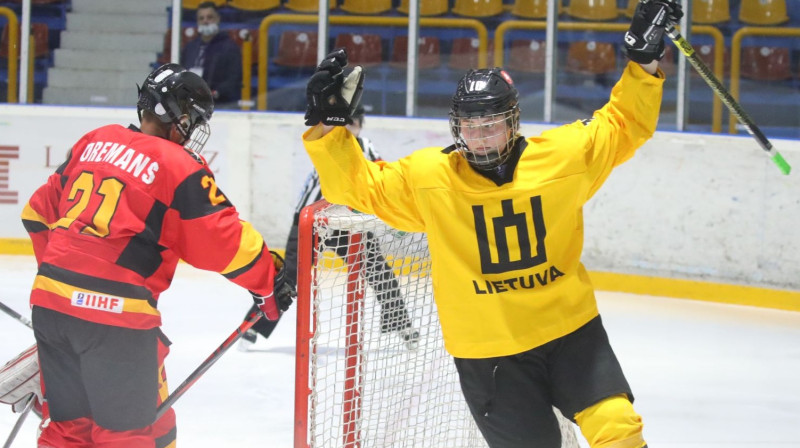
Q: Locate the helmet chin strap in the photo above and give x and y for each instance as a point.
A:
(175, 135)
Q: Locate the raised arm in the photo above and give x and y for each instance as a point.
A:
(644, 41)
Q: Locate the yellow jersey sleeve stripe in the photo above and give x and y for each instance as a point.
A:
(250, 245)
(29, 214)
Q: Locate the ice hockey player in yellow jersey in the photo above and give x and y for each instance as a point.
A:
(503, 216)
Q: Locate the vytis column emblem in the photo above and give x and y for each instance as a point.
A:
(530, 248)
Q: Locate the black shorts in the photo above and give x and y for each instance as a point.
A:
(511, 397)
(102, 372)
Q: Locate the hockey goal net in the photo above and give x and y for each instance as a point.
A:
(372, 370)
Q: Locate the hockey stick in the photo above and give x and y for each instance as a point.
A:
(20, 421)
(719, 89)
(205, 365)
(16, 315)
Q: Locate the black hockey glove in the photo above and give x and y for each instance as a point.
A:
(644, 41)
(331, 97)
(283, 293)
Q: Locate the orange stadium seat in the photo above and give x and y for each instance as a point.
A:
(630, 9)
(362, 49)
(763, 12)
(706, 54)
(188, 34)
(193, 4)
(366, 6)
(241, 35)
(527, 56)
(297, 49)
(532, 9)
(41, 33)
(429, 54)
(711, 11)
(464, 54)
(254, 5)
(426, 7)
(306, 5)
(478, 8)
(593, 9)
(591, 57)
(766, 63)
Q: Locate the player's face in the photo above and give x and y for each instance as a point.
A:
(484, 135)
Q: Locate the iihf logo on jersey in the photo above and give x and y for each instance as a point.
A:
(97, 301)
(529, 250)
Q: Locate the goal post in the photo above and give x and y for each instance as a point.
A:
(371, 368)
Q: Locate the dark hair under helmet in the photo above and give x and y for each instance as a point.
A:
(178, 96)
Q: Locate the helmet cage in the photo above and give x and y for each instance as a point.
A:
(485, 97)
(480, 132)
(198, 137)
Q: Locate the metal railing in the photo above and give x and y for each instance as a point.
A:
(736, 56)
(499, 43)
(13, 52)
(247, 73)
(446, 22)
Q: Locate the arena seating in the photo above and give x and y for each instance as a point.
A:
(297, 49)
(305, 5)
(711, 11)
(426, 7)
(478, 8)
(527, 55)
(532, 9)
(428, 56)
(464, 54)
(763, 12)
(366, 7)
(362, 49)
(591, 58)
(596, 10)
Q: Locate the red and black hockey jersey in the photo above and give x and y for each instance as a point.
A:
(110, 225)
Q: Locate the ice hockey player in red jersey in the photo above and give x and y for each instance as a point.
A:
(108, 228)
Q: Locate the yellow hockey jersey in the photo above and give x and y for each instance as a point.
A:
(506, 267)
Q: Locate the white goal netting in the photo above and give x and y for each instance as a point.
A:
(372, 368)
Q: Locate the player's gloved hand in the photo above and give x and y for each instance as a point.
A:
(19, 379)
(331, 97)
(283, 293)
(644, 40)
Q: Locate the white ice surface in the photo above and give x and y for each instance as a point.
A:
(704, 375)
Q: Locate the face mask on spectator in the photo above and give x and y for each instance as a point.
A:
(208, 29)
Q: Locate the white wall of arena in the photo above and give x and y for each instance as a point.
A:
(691, 206)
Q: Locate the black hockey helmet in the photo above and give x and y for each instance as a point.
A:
(489, 94)
(180, 97)
(485, 91)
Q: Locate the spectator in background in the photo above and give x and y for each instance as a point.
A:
(216, 58)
